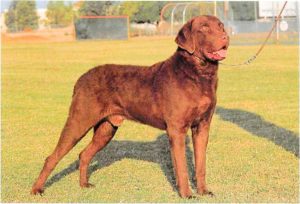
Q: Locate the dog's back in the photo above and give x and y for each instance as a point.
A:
(131, 91)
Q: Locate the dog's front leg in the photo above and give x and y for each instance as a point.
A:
(200, 135)
(177, 143)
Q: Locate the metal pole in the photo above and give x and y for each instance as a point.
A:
(172, 19)
(225, 10)
(255, 10)
(164, 9)
(274, 18)
(183, 13)
(215, 8)
(277, 24)
(298, 18)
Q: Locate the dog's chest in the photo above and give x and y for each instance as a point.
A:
(204, 103)
(202, 110)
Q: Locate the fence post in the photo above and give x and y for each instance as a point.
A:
(183, 13)
(226, 10)
(215, 8)
(128, 27)
(277, 23)
(172, 18)
(298, 19)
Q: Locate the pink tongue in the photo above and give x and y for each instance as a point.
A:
(222, 53)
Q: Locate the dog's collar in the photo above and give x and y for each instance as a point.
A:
(201, 61)
(204, 63)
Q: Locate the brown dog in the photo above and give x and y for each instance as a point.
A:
(173, 95)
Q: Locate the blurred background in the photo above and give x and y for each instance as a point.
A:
(247, 22)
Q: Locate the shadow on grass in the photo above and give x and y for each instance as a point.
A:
(156, 152)
(256, 125)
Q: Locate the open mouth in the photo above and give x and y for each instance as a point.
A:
(217, 55)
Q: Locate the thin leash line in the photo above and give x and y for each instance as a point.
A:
(251, 59)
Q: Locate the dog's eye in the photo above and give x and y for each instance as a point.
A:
(222, 26)
(205, 28)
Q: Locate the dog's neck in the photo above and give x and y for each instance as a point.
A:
(196, 67)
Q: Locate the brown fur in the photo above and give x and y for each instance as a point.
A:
(174, 95)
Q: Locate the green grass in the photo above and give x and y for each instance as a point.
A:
(253, 137)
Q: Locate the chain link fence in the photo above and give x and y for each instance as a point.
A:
(246, 22)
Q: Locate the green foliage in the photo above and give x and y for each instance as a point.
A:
(59, 14)
(149, 11)
(10, 17)
(96, 8)
(129, 8)
(137, 11)
(26, 15)
(21, 15)
(243, 10)
(141, 11)
(144, 11)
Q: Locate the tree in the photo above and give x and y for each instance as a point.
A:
(59, 14)
(149, 11)
(21, 15)
(243, 11)
(144, 11)
(129, 8)
(96, 8)
(10, 17)
(26, 15)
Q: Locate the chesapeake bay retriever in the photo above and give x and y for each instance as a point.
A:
(174, 95)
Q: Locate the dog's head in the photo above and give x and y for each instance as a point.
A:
(205, 37)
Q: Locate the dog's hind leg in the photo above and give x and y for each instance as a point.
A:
(81, 118)
(103, 133)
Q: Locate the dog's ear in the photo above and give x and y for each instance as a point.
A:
(185, 39)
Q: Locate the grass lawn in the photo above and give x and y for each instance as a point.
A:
(253, 149)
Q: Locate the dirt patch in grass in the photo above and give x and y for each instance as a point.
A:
(48, 35)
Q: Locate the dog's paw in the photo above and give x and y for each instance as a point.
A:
(37, 191)
(192, 197)
(206, 192)
(87, 185)
(186, 194)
